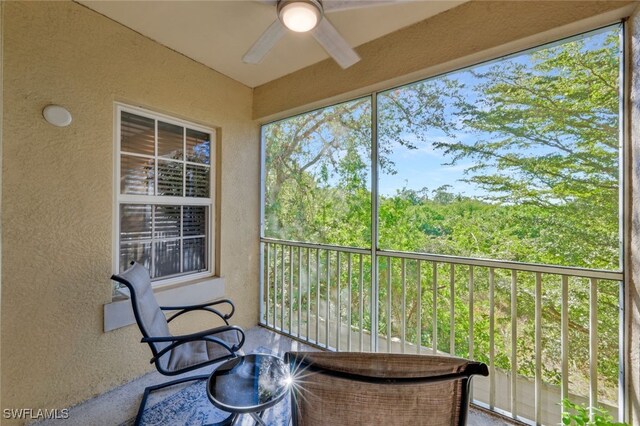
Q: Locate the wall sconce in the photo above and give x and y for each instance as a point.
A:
(57, 115)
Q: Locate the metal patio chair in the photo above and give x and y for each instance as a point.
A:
(173, 355)
(349, 388)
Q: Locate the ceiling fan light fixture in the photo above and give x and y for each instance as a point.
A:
(299, 15)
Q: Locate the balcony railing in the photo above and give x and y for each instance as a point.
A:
(546, 332)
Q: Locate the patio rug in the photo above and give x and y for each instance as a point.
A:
(191, 407)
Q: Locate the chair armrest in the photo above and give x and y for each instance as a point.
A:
(201, 307)
(205, 335)
(190, 337)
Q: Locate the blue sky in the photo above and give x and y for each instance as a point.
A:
(424, 167)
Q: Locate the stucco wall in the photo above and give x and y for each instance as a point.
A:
(458, 37)
(1, 115)
(57, 196)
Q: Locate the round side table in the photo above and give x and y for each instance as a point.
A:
(249, 384)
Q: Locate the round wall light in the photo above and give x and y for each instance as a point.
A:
(57, 115)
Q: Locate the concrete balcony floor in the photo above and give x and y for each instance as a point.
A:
(121, 404)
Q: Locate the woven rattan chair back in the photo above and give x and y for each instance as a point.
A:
(333, 388)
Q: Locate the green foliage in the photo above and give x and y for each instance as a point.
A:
(579, 415)
(548, 138)
(317, 178)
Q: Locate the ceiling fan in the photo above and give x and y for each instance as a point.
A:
(309, 15)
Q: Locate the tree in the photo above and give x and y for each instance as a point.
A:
(547, 133)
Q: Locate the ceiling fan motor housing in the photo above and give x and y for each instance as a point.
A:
(285, 12)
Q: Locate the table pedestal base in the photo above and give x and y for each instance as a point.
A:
(256, 416)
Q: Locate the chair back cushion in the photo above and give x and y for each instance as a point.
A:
(372, 388)
(198, 352)
(149, 316)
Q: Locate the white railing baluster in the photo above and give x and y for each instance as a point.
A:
(374, 302)
(492, 353)
(299, 289)
(419, 301)
(471, 285)
(291, 297)
(389, 266)
(282, 266)
(538, 343)
(361, 304)
(268, 283)
(308, 292)
(564, 348)
(452, 311)
(275, 285)
(514, 342)
(403, 323)
(349, 302)
(593, 347)
(328, 309)
(338, 316)
(471, 323)
(434, 312)
(318, 271)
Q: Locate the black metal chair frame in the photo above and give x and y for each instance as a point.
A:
(177, 340)
(473, 368)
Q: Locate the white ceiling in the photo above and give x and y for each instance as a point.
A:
(218, 33)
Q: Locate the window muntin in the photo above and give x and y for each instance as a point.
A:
(164, 204)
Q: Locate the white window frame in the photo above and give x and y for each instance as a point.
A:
(168, 200)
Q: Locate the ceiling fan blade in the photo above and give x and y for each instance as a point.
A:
(265, 43)
(335, 5)
(335, 44)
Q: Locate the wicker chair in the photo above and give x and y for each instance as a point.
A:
(172, 354)
(348, 388)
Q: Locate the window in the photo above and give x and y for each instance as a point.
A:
(164, 194)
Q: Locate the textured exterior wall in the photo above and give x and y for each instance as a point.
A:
(1, 115)
(57, 194)
(457, 33)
